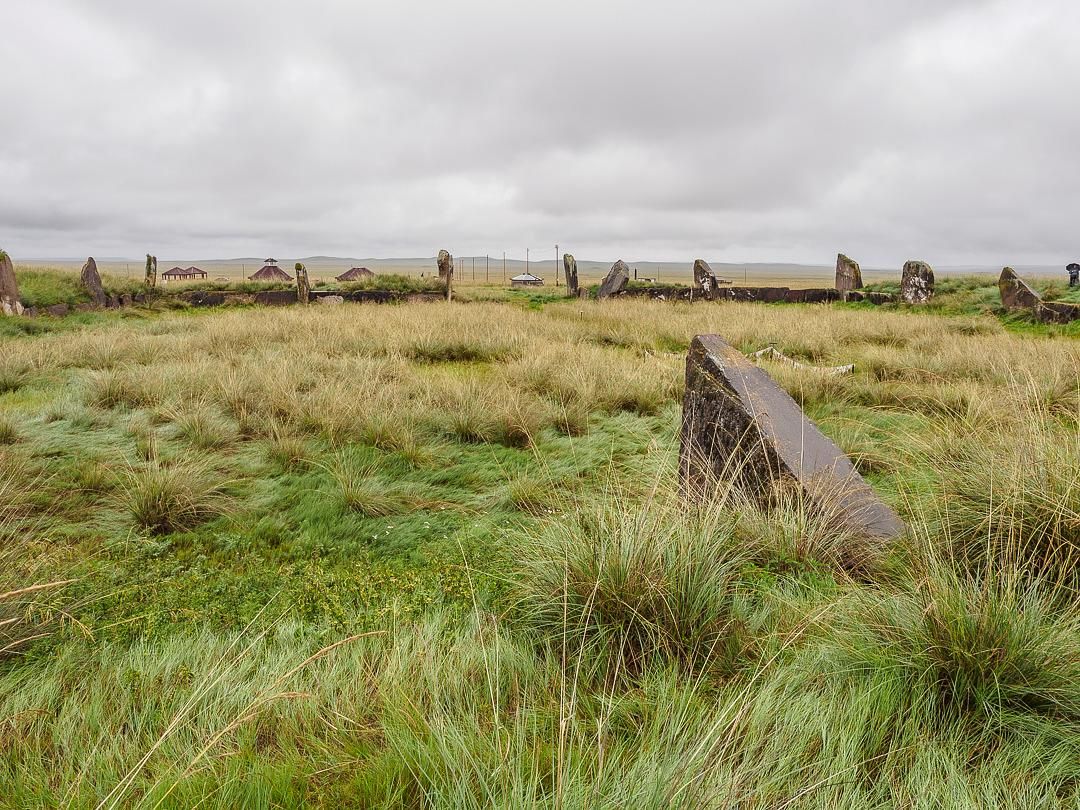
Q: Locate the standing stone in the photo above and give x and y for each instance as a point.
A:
(848, 274)
(570, 268)
(705, 280)
(1015, 293)
(737, 424)
(615, 281)
(91, 282)
(150, 279)
(1074, 274)
(916, 283)
(9, 287)
(303, 286)
(446, 272)
(330, 300)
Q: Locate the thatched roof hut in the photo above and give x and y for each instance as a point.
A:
(270, 272)
(356, 274)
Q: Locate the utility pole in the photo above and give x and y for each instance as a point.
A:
(556, 265)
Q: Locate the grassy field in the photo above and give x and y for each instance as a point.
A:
(434, 556)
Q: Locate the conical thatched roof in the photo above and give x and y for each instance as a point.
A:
(355, 274)
(270, 272)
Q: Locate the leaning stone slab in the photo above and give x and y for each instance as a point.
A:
(9, 287)
(615, 281)
(848, 274)
(737, 424)
(91, 282)
(916, 283)
(1015, 292)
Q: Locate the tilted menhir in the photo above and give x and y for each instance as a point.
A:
(739, 425)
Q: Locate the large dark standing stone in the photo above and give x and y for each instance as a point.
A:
(738, 424)
(1074, 274)
(9, 287)
(916, 283)
(848, 274)
(615, 281)
(91, 282)
(570, 268)
(705, 280)
(1015, 293)
(446, 271)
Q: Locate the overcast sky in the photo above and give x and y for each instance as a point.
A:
(738, 131)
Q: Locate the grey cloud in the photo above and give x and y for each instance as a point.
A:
(777, 130)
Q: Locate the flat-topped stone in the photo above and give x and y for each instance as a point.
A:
(916, 283)
(848, 274)
(738, 424)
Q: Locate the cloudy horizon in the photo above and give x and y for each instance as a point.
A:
(777, 132)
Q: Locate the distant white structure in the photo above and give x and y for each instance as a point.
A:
(526, 280)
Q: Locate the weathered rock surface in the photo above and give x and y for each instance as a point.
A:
(1074, 274)
(570, 269)
(848, 274)
(1015, 293)
(705, 280)
(615, 281)
(9, 287)
(330, 300)
(150, 279)
(126, 300)
(91, 282)
(446, 271)
(445, 264)
(303, 286)
(738, 424)
(916, 283)
(1057, 312)
(58, 310)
